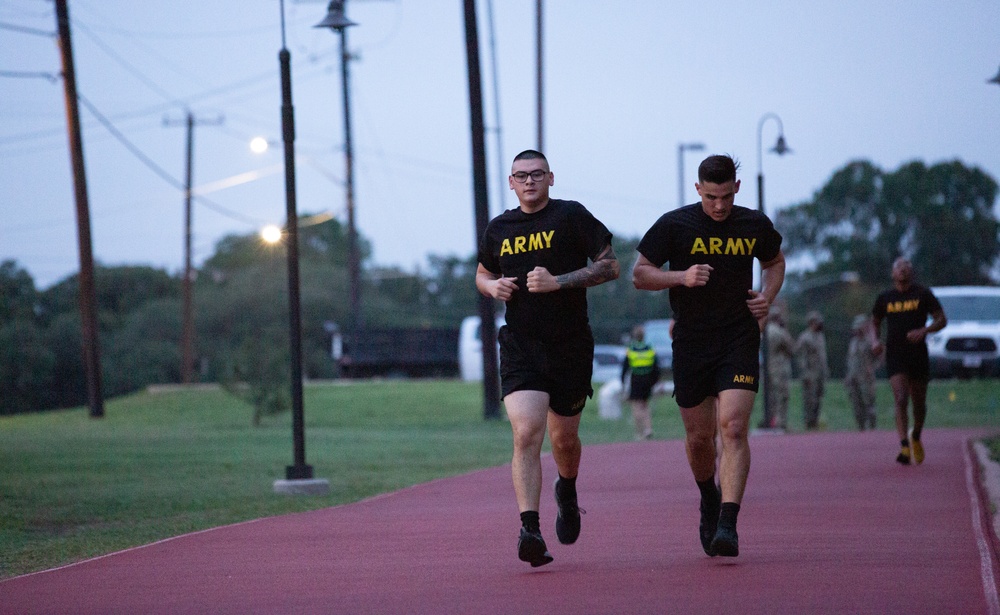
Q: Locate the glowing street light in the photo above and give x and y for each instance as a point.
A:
(259, 145)
(271, 234)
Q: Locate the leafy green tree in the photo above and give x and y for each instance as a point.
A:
(63, 338)
(26, 368)
(143, 349)
(616, 306)
(940, 217)
(257, 372)
(18, 297)
(118, 290)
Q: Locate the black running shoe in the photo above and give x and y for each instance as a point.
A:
(709, 522)
(531, 548)
(568, 519)
(726, 543)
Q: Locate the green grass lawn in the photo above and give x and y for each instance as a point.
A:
(159, 465)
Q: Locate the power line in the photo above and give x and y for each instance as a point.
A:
(26, 30)
(16, 74)
(167, 177)
(126, 65)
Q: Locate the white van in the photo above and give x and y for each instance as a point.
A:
(470, 348)
(970, 344)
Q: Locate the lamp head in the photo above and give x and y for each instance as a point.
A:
(995, 80)
(781, 148)
(335, 18)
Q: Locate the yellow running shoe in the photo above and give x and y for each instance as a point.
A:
(904, 456)
(918, 451)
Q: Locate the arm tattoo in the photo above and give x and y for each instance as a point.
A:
(604, 269)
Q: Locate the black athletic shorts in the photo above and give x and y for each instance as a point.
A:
(563, 370)
(911, 360)
(703, 374)
(641, 387)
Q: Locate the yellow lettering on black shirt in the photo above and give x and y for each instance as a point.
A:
(527, 243)
(732, 246)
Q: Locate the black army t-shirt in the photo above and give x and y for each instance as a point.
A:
(562, 237)
(904, 311)
(716, 312)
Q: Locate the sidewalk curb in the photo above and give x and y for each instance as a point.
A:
(991, 482)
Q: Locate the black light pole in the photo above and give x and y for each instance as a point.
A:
(487, 322)
(299, 476)
(88, 293)
(187, 333)
(779, 148)
(336, 20)
(539, 76)
(681, 148)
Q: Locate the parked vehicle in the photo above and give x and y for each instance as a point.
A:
(608, 359)
(470, 348)
(658, 336)
(970, 344)
(398, 353)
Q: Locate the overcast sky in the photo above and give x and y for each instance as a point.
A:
(889, 81)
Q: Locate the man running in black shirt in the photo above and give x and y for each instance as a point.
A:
(718, 320)
(535, 258)
(905, 308)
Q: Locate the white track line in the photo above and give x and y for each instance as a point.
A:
(985, 558)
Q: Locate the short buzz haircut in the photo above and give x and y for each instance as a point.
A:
(531, 154)
(718, 169)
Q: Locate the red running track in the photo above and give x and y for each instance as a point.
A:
(830, 524)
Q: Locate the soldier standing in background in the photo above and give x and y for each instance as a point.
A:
(811, 350)
(781, 349)
(860, 377)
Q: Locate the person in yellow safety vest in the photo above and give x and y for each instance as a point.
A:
(641, 362)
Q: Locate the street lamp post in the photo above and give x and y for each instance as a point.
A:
(539, 76)
(780, 148)
(299, 476)
(336, 20)
(681, 148)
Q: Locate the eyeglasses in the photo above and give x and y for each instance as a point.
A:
(536, 175)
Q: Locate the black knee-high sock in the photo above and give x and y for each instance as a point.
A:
(529, 520)
(915, 434)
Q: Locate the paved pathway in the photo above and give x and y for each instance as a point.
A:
(830, 524)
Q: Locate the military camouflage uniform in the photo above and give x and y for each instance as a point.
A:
(780, 348)
(811, 350)
(860, 377)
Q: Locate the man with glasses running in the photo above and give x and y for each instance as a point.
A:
(539, 259)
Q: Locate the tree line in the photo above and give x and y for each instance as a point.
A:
(942, 217)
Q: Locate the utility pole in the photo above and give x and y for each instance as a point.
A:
(187, 333)
(539, 81)
(487, 320)
(88, 294)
